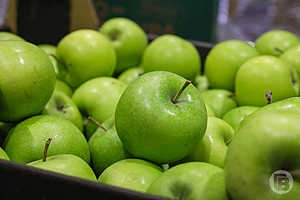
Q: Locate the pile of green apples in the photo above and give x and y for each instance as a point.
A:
(108, 106)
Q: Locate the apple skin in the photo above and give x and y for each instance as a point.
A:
(10, 36)
(106, 148)
(223, 62)
(262, 74)
(61, 105)
(173, 54)
(59, 69)
(201, 82)
(27, 80)
(131, 75)
(219, 100)
(133, 174)
(151, 126)
(3, 155)
(99, 97)
(86, 54)
(292, 56)
(63, 87)
(210, 112)
(128, 39)
(237, 115)
(66, 164)
(25, 143)
(213, 147)
(191, 181)
(267, 43)
(262, 145)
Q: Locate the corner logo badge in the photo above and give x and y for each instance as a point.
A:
(281, 182)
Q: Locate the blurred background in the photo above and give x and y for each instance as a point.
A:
(47, 21)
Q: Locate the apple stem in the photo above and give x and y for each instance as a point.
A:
(269, 97)
(279, 50)
(90, 118)
(186, 83)
(295, 173)
(46, 149)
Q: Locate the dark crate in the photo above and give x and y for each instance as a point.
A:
(190, 19)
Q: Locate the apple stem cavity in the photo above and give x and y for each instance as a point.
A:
(269, 97)
(186, 83)
(90, 118)
(279, 50)
(46, 149)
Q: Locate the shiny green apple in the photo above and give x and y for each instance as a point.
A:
(154, 126)
(264, 144)
(262, 74)
(63, 87)
(237, 115)
(106, 148)
(219, 100)
(10, 36)
(61, 105)
(99, 97)
(25, 143)
(131, 75)
(128, 39)
(173, 54)
(292, 56)
(276, 42)
(66, 164)
(133, 174)
(27, 80)
(86, 54)
(213, 147)
(224, 60)
(191, 181)
(201, 82)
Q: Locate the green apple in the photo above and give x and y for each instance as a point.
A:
(3, 155)
(63, 87)
(219, 100)
(160, 117)
(262, 74)
(262, 145)
(98, 97)
(25, 142)
(173, 54)
(292, 56)
(276, 42)
(128, 39)
(210, 112)
(201, 82)
(86, 54)
(48, 48)
(59, 68)
(131, 75)
(224, 60)
(213, 147)
(10, 36)
(27, 80)
(133, 174)
(66, 164)
(106, 148)
(61, 105)
(191, 181)
(237, 115)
